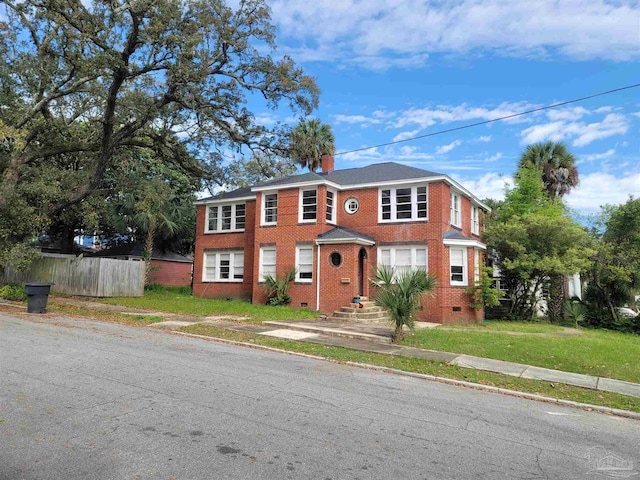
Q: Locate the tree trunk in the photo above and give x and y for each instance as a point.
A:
(555, 301)
(398, 334)
(148, 250)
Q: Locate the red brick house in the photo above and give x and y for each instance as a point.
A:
(335, 227)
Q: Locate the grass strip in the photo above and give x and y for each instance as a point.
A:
(600, 353)
(418, 365)
(126, 319)
(179, 302)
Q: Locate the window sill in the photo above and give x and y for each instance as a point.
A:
(215, 232)
(268, 225)
(223, 281)
(413, 220)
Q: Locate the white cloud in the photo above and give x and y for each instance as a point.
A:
(581, 133)
(597, 156)
(636, 114)
(573, 113)
(484, 138)
(494, 158)
(490, 185)
(378, 33)
(405, 135)
(355, 119)
(425, 117)
(599, 188)
(442, 149)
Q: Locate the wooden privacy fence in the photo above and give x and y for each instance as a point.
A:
(91, 277)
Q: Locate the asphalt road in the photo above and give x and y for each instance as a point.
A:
(91, 400)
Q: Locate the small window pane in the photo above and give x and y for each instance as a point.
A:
(240, 216)
(271, 208)
(225, 262)
(213, 218)
(226, 217)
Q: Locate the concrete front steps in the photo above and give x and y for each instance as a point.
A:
(364, 312)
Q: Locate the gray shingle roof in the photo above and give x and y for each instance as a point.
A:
(237, 193)
(301, 178)
(343, 233)
(454, 235)
(378, 172)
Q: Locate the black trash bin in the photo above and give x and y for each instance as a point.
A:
(37, 296)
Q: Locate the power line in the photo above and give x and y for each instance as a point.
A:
(485, 122)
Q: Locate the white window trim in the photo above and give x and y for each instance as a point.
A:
(465, 273)
(456, 222)
(217, 253)
(334, 214)
(261, 262)
(218, 228)
(263, 208)
(413, 248)
(414, 204)
(300, 206)
(298, 279)
(476, 265)
(475, 220)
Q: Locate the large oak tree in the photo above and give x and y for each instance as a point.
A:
(84, 83)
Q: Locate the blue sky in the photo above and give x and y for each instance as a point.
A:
(390, 70)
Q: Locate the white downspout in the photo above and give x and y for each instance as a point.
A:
(318, 281)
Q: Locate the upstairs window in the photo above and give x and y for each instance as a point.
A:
(226, 218)
(331, 207)
(403, 204)
(455, 210)
(270, 209)
(304, 264)
(308, 206)
(223, 266)
(475, 220)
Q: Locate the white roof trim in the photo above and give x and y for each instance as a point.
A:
(452, 242)
(224, 200)
(336, 241)
(308, 183)
(436, 178)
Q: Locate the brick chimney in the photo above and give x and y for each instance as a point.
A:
(326, 161)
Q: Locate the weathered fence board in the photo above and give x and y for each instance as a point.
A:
(91, 277)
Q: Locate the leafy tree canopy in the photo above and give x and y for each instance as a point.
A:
(84, 84)
(555, 164)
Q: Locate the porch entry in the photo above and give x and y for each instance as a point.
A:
(362, 257)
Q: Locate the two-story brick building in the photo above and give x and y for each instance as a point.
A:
(334, 228)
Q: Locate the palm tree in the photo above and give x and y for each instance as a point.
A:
(309, 141)
(556, 164)
(401, 294)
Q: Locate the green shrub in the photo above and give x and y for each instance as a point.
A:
(278, 288)
(13, 291)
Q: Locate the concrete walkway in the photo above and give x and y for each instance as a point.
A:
(375, 339)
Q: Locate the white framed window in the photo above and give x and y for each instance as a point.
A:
(267, 264)
(351, 205)
(269, 214)
(226, 218)
(403, 258)
(402, 204)
(476, 265)
(304, 263)
(223, 266)
(456, 210)
(475, 220)
(458, 266)
(308, 206)
(331, 206)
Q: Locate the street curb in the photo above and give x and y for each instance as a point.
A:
(449, 381)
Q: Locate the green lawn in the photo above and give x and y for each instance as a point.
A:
(419, 365)
(520, 327)
(172, 300)
(594, 352)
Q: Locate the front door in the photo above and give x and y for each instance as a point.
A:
(362, 257)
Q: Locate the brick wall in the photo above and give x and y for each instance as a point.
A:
(340, 284)
(170, 274)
